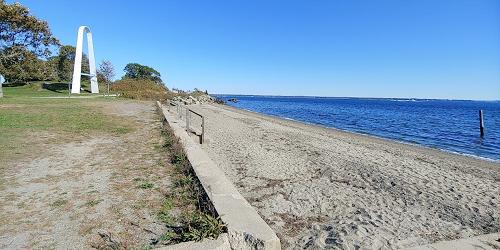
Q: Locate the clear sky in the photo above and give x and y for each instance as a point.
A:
(371, 48)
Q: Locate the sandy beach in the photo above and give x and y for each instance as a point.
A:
(325, 188)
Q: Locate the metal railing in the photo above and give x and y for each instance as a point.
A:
(188, 118)
(179, 108)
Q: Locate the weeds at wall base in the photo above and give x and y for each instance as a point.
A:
(186, 210)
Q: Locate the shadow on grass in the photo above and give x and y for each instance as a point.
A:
(15, 84)
(56, 87)
(60, 87)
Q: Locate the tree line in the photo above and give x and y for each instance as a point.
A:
(30, 52)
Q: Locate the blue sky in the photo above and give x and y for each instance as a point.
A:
(372, 48)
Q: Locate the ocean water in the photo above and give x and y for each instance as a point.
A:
(451, 125)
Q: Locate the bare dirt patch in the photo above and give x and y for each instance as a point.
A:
(7, 106)
(95, 190)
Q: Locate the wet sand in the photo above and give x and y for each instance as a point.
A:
(324, 188)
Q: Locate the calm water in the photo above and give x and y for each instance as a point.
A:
(445, 124)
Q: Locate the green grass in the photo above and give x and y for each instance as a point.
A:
(184, 181)
(29, 90)
(36, 89)
(60, 115)
(23, 116)
(93, 203)
(164, 213)
(201, 225)
(59, 203)
(145, 185)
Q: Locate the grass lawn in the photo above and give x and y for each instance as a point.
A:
(102, 168)
(24, 117)
(68, 168)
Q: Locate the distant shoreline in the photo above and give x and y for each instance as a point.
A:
(357, 97)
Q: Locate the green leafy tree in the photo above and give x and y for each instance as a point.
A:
(27, 67)
(65, 60)
(23, 39)
(138, 71)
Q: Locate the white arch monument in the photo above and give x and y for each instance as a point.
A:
(77, 70)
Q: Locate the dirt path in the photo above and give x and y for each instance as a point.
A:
(91, 191)
(324, 188)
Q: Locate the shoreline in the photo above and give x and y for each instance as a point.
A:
(413, 144)
(320, 187)
(358, 97)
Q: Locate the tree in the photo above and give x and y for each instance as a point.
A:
(105, 73)
(138, 71)
(23, 37)
(26, 67)
(64, 63)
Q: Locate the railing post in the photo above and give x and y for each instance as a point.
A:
(187, 120)
(202, 137)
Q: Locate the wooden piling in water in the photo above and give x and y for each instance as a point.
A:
(481, 122)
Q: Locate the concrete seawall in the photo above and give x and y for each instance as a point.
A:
(246, 229)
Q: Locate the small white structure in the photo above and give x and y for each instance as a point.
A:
(2, 80)
(77, 71)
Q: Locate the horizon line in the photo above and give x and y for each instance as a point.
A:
(359, 97)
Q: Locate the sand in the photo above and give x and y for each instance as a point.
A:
(325, 188)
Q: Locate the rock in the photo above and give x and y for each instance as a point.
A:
(193, 100)
(204, 98)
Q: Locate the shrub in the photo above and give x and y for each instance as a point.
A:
(141, 89)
